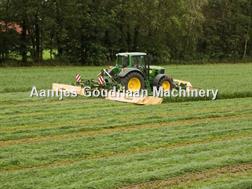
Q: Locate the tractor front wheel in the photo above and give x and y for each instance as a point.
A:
(133, 82)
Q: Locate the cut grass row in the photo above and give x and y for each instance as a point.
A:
(134, 168)
(229, 180)
(236, 176)
(76, 117)
(102, 144)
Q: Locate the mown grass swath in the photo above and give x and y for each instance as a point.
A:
(93, 143)
(132, 147)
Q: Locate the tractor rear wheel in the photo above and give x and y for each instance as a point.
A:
(133, 82)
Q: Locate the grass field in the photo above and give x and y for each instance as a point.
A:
(94, 143)
(230, 79)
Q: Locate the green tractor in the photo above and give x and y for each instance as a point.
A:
(133, 72)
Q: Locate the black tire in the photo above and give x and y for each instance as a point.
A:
(125, 80)
(158, 83)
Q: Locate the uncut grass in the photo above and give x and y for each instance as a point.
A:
(231, 79)
(23, 78)
(228, 78)
(134, 168)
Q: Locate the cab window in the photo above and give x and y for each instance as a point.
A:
(138, 61)
(123, 61)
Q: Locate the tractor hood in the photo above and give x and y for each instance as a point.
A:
(156, 68)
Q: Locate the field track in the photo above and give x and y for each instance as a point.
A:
(94, 143)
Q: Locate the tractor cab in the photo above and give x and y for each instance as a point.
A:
(138, 60)
(134, 59)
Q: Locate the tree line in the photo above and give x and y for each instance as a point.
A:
(90, 32)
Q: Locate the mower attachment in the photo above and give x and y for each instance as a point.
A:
(147, 100)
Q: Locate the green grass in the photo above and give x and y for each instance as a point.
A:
(94, 143)
(224, 181)
(231, 79)
(22, 79)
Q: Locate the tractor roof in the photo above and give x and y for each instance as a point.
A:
(131, 54)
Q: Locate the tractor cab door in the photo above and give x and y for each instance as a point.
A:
(123, 61)
(138, 62)
(142, 62)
